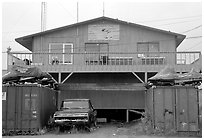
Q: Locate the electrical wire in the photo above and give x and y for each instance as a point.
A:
(196, 16)
(193, 37)
(20, 31)
(67, 11)
(194, 45)
(176, 22)
(192, 29)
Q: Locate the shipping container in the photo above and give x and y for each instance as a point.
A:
(173, 108)
(27, 108)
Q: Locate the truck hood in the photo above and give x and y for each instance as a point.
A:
(72, 111)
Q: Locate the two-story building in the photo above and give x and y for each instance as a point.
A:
(106, 60)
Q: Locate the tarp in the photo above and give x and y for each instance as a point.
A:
(190, 75)
(168, 76)
(18, 72)
(165, 74)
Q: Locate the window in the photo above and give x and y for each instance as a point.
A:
(57, 50)
(148, 47)
(96, 51)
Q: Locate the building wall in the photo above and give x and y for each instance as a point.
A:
(104, 98)
(108, 99)
(128, 38)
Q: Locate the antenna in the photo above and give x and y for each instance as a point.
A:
(103, 9)
(43, 16)
(77, 12)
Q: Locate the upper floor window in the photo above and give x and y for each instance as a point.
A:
(150, 49)
(96, 53)
(61, 53)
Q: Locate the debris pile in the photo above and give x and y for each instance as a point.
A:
(28, 75)
(168, 77)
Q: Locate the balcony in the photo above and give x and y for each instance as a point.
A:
(108, 62)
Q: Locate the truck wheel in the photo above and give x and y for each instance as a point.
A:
(95, 123)
(57, 129)
(88, 127)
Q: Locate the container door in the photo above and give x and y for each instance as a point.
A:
(29, 110)
(163, 108)
(9, 108)
(4, 106)
(149, 102)
(187, 109)
(169, 111)
(19, 106)
(34, 107)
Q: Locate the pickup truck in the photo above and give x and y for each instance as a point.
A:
(74, 112)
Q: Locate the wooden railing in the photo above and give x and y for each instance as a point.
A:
(102, 59)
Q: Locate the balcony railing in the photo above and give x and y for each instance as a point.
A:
(104, 59)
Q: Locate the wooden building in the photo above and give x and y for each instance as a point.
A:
(106, 60)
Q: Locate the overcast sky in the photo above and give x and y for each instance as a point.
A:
(24, 18)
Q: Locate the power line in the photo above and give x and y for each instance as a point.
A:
(20, 31)
(192, 29)
(193, 37)
(176, 22)
(9, 41)
(67, 11)
(194, 45)
(170, 19)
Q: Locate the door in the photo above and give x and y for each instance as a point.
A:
(9, 109)
(164, 108)
(29, 114)
(187, 109)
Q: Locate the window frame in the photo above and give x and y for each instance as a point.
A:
(63, 51)
(100, 53)
(99, 44)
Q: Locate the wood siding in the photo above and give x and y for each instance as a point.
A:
(129, 37)
(108, 99)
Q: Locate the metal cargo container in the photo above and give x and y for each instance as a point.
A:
(26, 108)
(173, 107)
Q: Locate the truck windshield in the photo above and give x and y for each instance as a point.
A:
(75, 104)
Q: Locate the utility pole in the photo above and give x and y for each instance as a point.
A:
(103, 10)
(8, 58)
(43, 25)
(77, 12)
(43, 16)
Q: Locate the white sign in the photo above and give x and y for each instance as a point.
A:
(103, 32)
(3, 95)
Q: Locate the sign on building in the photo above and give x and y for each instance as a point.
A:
(103, 32)
(3, 95)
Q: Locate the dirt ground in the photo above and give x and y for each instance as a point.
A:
(104, 130)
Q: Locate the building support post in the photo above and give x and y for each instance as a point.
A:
(146, 77)
(59, 78)
(127, 115)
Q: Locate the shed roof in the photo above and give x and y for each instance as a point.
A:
(26, 41)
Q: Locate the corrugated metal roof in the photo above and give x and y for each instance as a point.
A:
(26, 41)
